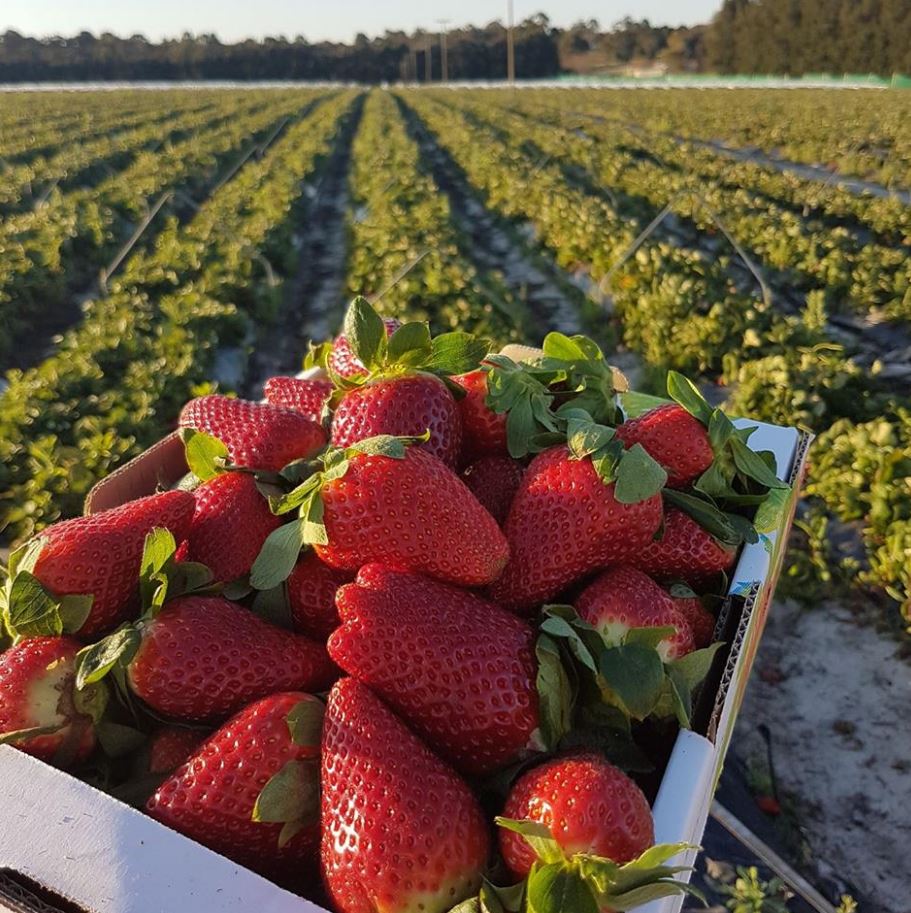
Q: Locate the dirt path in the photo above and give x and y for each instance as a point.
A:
(545, 290)
(836, 696)
(314, 299)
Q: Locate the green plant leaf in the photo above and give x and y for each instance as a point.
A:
(570, 348)
(206, 455)
(34, 732)
(25, 557)
(74, 611)
(272, 605)
(93, 663)
(636, 404)
(557, 888)
(695, 666)
(92, 701)
(410, 345)
(291, 798)
(305, 722)
(302, 493)
(709, 517)
(584, 437)
(278, 555)
(554, 693)
(685, 393)
(753, 465)
(388, 445)
(635, 676)
(366, 333)
(639, 476)
(31, 610)
(457, 353)
(721, 430)
(649, 637)
(537, 836)
(117, 740)
(157, 552)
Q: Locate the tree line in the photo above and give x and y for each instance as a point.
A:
(759, 36)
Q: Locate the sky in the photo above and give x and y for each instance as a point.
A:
(337, 20)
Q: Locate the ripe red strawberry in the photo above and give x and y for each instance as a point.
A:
(483, 430)
(311, 596)
(413, 513)
(494, 481)
(302, 395)
(589, 806)
(251, 783)
(400, 830)
(684, 552)
(230, 524)
(100, 555)
(343, 362)
(701, 620)
(171, 746)
(677, 440)
(401, 406)
(36, 692)
(203, 658)
(257, 435)
(458, 668)
(622, 598)
(564, 523)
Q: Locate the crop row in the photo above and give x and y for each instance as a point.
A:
(679, 308)
(402, 220)
(803, 255)
(118, 379)
(49, 255)
(866, 133)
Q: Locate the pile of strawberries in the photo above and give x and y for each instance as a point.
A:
(392, 639)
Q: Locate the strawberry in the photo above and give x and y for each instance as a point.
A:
(483, 430)
(302, 395)
(257, 435)
(622, 598)
(400, 830)
(459, 669)
(40, 711)
(97, 557)
(684, 551)
(311, 596)
(203, 658)
(567, 521)
(342, 360)
(230, 524)
(250, 791)
(677, 440)
(494, 481)
(701, 620)
(382, 500)
(410, 405)
(171, 746)
(588, 805)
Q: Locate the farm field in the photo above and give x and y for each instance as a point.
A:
(152, 243)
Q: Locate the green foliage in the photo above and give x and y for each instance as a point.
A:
(750, 894)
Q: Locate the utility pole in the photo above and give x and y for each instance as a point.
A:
(428, 59)
(510, 44)
(444, 51)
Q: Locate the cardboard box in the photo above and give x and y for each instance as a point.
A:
(105, 857)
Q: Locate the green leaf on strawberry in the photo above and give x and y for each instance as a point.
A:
(633, 676)
(206, 455)
(94, 662)
(639, 476)
(278, 555)
(305, 722)
(289, 798)
(366, 333)
(554, 693)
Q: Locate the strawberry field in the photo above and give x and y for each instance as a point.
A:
(159, 249)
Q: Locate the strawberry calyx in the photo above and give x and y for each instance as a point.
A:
(409, 350)
(738, 474)
(585, 883)
(629, 674)
(572, 373)
(282, 547)
(161, 578)
(28, 608)
(291, 796)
